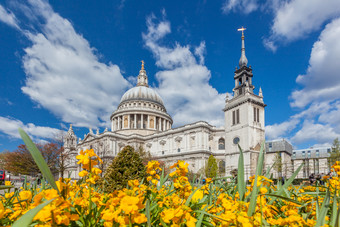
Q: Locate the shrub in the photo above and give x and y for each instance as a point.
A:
(128, 165)
(211, 169)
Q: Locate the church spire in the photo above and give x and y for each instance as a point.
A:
(142, 79)
(243, 60)
(70, 131)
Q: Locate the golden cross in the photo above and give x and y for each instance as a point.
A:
(241, 29)
(142, 64)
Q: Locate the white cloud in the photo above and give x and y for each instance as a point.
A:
(315, 132)
(318, 99)
(10, 126)
(8, 18)
(322, 81)
(276, 131)
(64, 75)
(243, 6)
(297, 18)
(183, 82)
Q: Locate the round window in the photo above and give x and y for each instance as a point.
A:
(236, 140)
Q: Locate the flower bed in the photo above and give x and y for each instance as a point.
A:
(172, 200)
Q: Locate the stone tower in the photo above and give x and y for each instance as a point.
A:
(70, 153)
(244, 118)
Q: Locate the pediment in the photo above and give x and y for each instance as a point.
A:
(88, 137)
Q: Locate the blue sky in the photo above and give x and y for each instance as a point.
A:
(64, 62)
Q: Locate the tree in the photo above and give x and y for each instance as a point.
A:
(20, 161)
(211, 168)
(127, 165)
(277, 166)
(335, 154)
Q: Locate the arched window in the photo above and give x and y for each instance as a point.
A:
(221, 144)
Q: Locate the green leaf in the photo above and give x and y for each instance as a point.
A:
(6, 187)
(147, 210)
(281, 189)
(200, 218)
(290, 180)
(334, 210)
(253, 197)
(191, 195)
(324, 208)
(27, 218)
(38, 158)
(240, 176)
(285, 198)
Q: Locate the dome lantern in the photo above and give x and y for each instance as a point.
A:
(142, 79)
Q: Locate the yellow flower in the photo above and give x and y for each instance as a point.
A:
(96, 170)
(263, 190)
(51, 194)
(83, 173)
(2, 210)
(62, 219)
(25, 195)
(198, 195)
(129, 204)
(140, 218)
(8, 183)
(168, 215)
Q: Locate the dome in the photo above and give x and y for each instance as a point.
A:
(142, 93)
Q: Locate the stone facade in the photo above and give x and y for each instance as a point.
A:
(315, 160)
(141, 120)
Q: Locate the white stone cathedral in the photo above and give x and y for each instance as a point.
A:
(141, 119)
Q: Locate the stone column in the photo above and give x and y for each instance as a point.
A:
(164, 125)
(159, 124)
(118, 122)
(129, 121)
(141, 121)
(135, 120)
(154, 122)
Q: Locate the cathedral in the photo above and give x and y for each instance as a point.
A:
(141, 120)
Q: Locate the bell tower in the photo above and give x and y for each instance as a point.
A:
(244, 117)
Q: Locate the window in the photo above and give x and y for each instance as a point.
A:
(294, 154)
(236, 117)
(316, 166)
(221, 144)
(270, 145)
(328, 150)
(308, 154)
(317, 153)
(179, 150)
(303, 154)
(162, 152)
(256, 114)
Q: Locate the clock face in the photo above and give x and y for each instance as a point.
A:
(236, 140)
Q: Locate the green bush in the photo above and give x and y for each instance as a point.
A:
(211, 168)
(127, 165)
